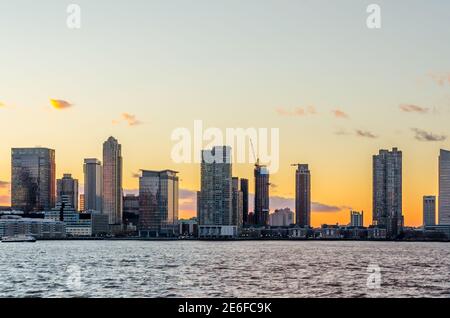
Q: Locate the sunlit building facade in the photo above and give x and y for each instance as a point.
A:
(112, 181)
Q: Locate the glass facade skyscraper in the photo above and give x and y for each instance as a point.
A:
(93, 184)
(32, 179)
(444, 187)
(112, 181)
(244, 189)
(158, 202)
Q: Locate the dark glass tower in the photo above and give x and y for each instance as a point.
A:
(303, 196)
(244, 189)
(32, 179)
(387, 191)
(261, 195)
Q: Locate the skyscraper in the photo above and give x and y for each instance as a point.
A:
(93, 183)
(32, 179)
(261, 195)
(387, 191)
(237, 204)
(215, 213)
(67, 191)
(444, 187)
(112, 181)
(158, 202)
(303, 196)
(429, 210)
(244, 189)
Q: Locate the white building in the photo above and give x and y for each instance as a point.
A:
(281, 217)
(215, 210)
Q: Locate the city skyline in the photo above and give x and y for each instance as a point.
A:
(385, 180)
(338, 91)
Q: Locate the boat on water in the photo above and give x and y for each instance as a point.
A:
(18, 239)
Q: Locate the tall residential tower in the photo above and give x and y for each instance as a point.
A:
(303, 196)
(387, 191)
(444, 187)
(112, 181)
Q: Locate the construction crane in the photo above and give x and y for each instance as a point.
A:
(254, 154)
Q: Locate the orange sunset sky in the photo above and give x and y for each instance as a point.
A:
(337, 91)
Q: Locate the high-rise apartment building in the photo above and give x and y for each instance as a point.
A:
(244, 189)
(93, 184)
(303, 196)
(444, 187)
(387, 191)
(112, 181)
(215, 200)
(262, 184)
(32, 179)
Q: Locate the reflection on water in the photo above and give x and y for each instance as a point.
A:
(224, 269)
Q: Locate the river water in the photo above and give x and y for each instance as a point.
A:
(224, 269)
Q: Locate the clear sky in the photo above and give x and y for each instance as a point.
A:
(233, 64)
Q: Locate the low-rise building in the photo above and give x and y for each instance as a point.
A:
(298, 232)
(217, 231)
(11, 225)
(188, 227)
(376, 233)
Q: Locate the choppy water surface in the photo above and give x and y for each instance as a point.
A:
(223, 269)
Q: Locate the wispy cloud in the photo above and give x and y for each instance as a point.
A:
(60, 104)
(130, 119)
(339, 113)
(297, 111)
(4, 184)
(423, 135)
(365, 134)
(342, 132)
(409, 108)
(440, 79)
(322, 207)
